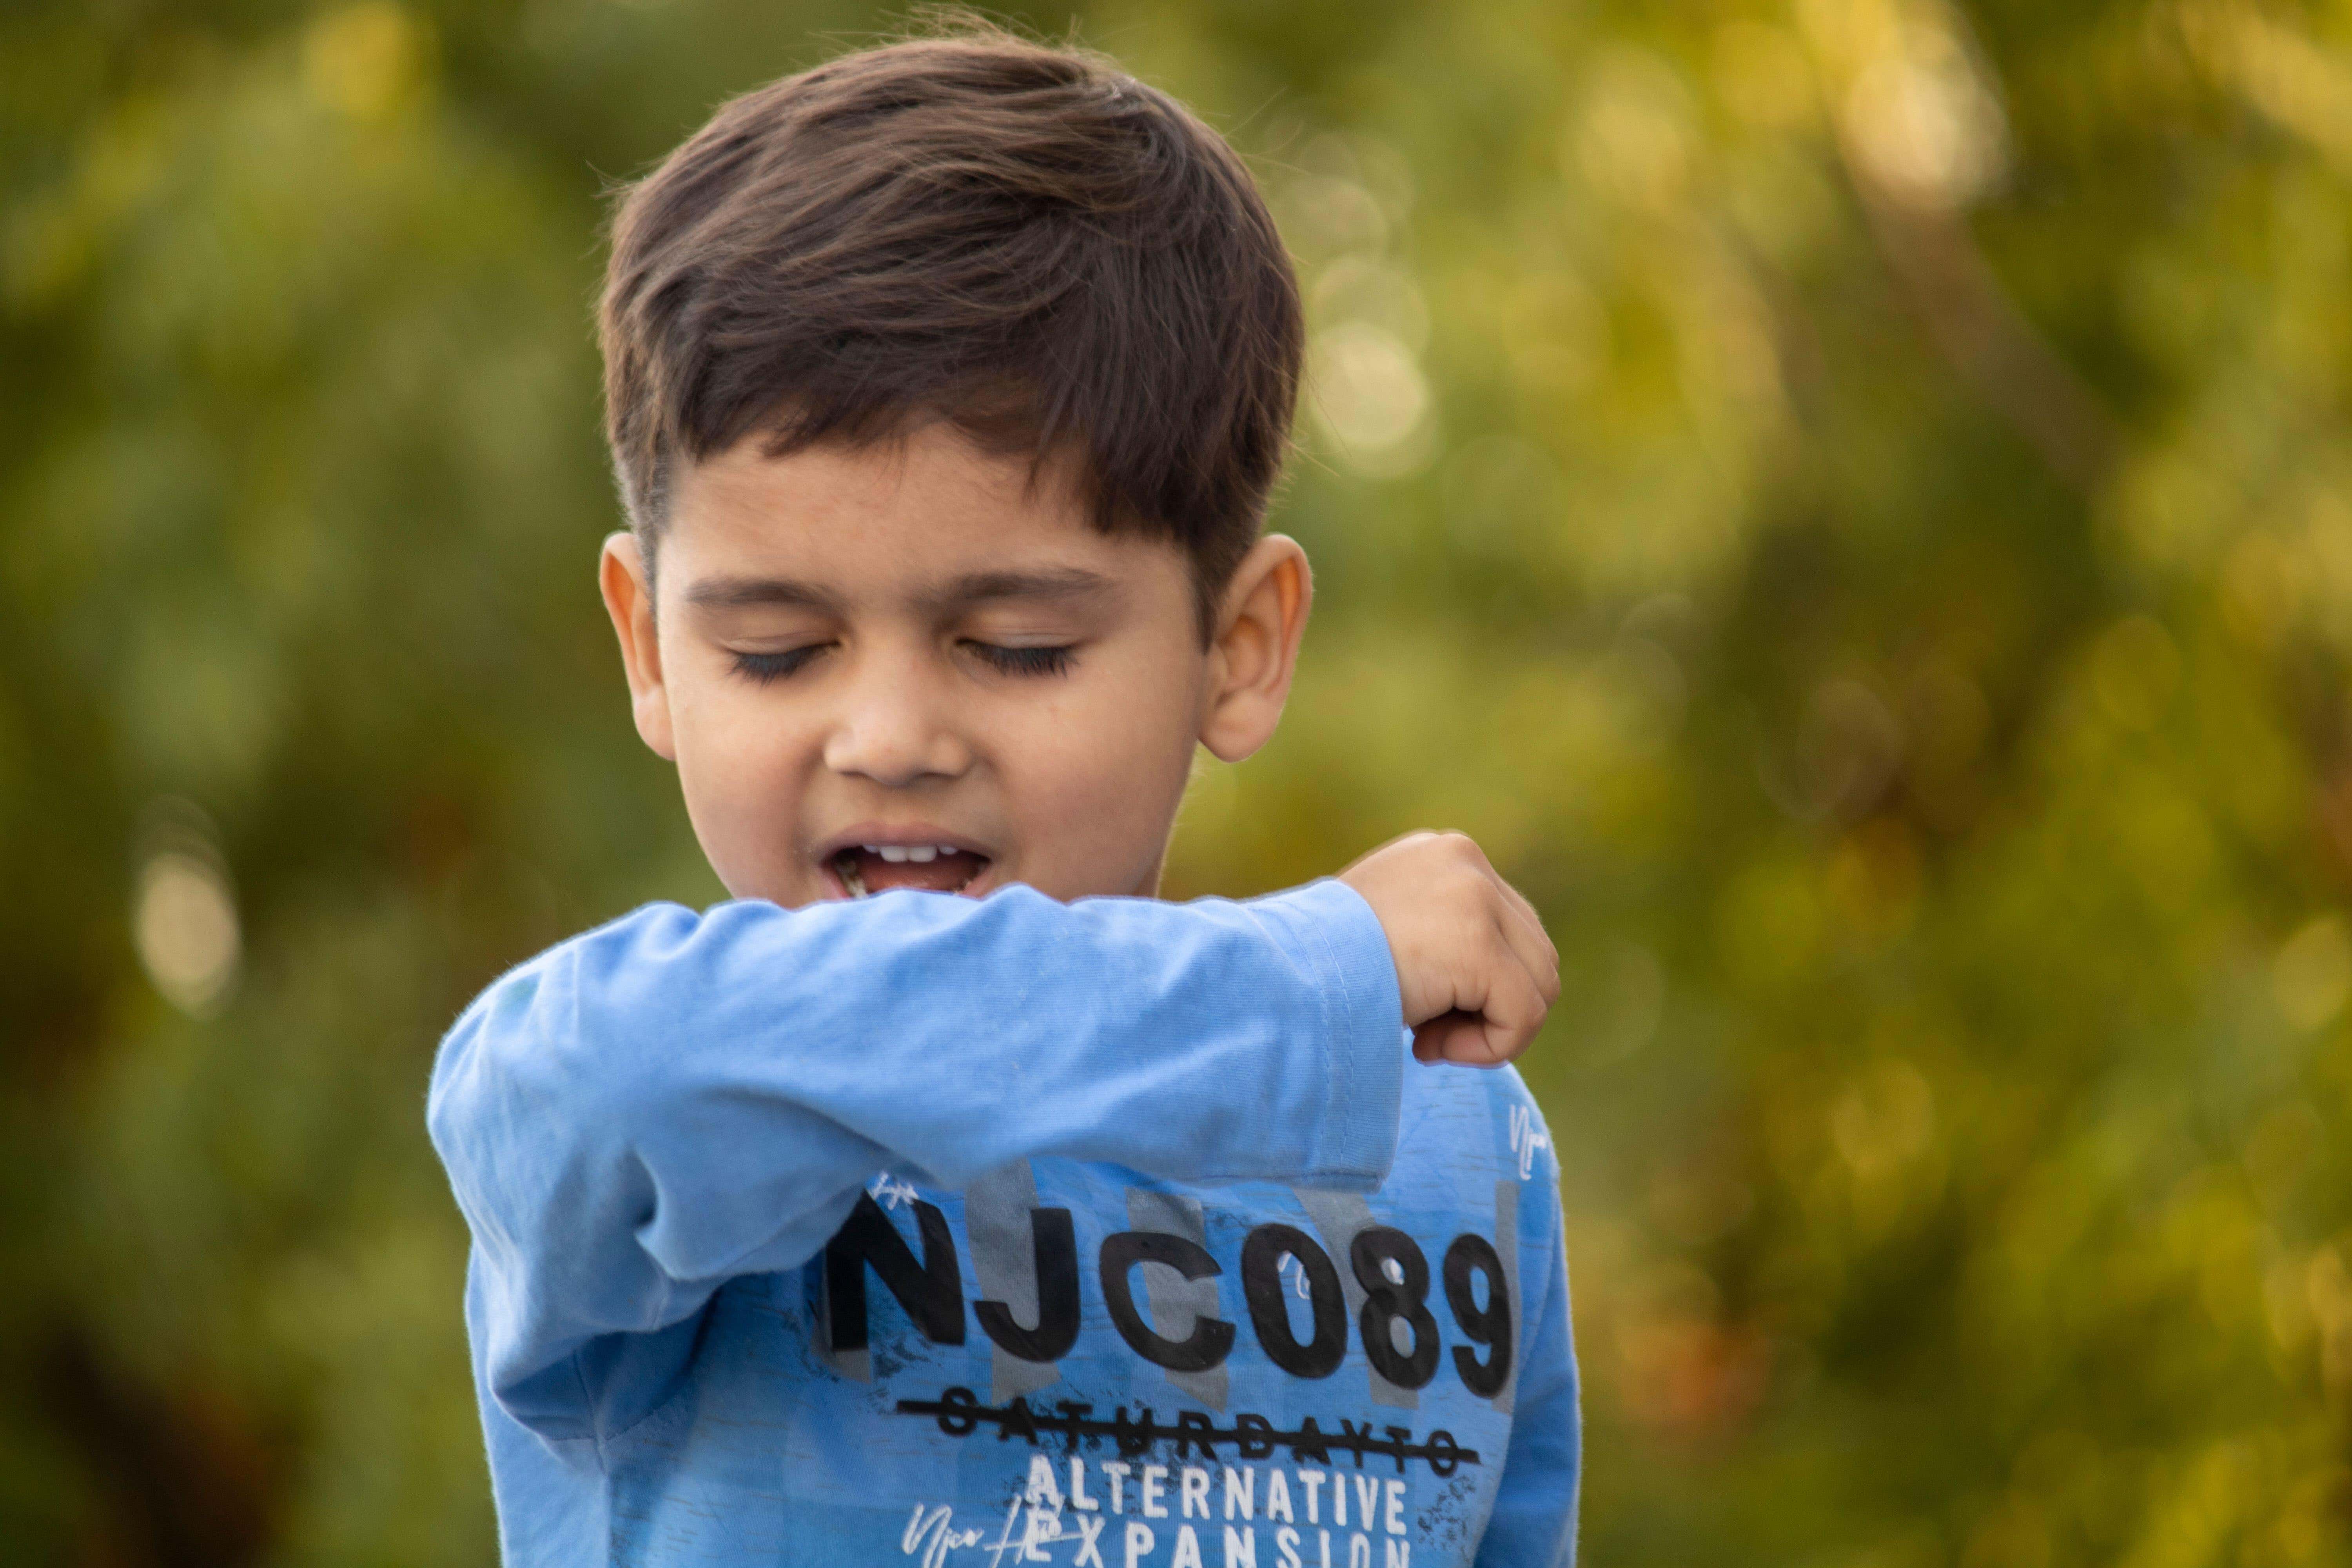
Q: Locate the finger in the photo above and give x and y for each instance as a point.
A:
(1507, 1019)
(1526, 908)
(1456, 1036)
(1516, 921)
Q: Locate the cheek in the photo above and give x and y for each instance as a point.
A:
(1103, 770)
(738, 756)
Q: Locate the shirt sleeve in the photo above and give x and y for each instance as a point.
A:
(672, 1099)
(1534, 1520)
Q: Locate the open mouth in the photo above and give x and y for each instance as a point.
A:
(868, 869)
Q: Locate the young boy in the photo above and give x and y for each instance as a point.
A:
(843, 1224)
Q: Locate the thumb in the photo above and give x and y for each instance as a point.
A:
(1457, 1036)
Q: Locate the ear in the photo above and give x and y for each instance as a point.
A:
(629, 600)
(1256, 648)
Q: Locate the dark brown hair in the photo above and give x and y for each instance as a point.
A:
(1021, 239)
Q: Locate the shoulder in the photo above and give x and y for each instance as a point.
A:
(1478, 1117)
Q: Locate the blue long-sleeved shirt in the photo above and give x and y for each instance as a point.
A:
(994, 1231)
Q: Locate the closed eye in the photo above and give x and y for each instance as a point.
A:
(1020, 660)
(764, 668)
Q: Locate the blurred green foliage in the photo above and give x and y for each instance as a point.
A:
(1848, 500)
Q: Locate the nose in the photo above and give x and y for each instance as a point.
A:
(895, 726)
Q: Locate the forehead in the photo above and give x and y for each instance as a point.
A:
(872, 520)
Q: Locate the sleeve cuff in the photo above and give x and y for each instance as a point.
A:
(1333, 930)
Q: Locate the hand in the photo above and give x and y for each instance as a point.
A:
(1477, 971)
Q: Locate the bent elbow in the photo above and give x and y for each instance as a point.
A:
(499, 1090)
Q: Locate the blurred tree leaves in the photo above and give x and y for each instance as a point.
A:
(1846, 498)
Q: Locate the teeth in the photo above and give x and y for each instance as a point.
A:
(845, 863)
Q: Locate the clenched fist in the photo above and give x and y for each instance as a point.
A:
(1475, 969)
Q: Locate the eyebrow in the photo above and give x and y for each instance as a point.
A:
(1050, 584)
(737, 593)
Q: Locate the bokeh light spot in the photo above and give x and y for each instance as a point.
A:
(184, 921)
(2313, 973)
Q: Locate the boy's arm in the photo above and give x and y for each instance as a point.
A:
(1534, 1521)
(670, 1100)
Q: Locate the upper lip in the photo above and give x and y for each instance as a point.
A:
(899, 833)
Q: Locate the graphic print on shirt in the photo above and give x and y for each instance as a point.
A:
(1310, 1528)
(1313, 1293)
(1017, 1260)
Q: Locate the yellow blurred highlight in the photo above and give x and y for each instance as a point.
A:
(2312, 975)
(1369, 396)
(2283, 74)
(364, 60)
(1763, 75)
(185, 924)
(2329, 1286)
(1916, 107)
(1635, 139)
(2259, 590)
(1883, 1127)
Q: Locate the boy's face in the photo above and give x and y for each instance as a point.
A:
(901, 666)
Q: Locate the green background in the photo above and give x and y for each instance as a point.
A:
(1847, 500)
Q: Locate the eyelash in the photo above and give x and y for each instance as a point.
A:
(1022, 660)
(763, 668)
